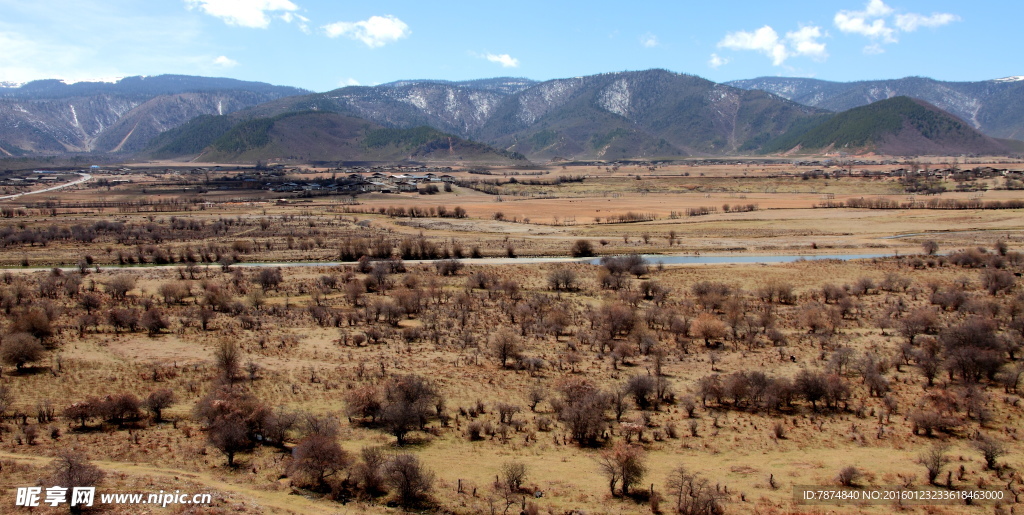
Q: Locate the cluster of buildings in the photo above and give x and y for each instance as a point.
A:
(364, 182)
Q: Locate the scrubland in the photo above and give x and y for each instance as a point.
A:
(408, 379)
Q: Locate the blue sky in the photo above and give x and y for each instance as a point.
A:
(323, 44)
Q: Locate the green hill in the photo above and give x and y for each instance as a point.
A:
(317, 136)
(896, 126)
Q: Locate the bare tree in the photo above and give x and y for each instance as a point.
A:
(269, 278)
(582, 248)
(448, 266)
(513, 475)
(991, 449)
(562, 279)
(370, 472)
(505, 345)
(582, 411)
(623, 463)
(119, 286)
(90, 301)
(537, 395)
(158, 401)
(6, 399)
(408, 401)
(642, 388)
(996, 281)
(934, 460)
(72, 470)
(918, 321)
(174, 292)
(229, 434)
(317, 458)
(930, 247)
(411, 481)
(121, 408)
(228, 360)
(18, 349)
(708, 327)
(153, 321)
(694, 495)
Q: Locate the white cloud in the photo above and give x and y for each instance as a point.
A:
(375, 32)
(764, 40)
(715, 61)
(300, 21)
(874, 23)
(505, 60)
(348, 82)
(244, 13)
(870, 22)
(225, 62)
(803, 42)
(874, 49)
(911, 21)
(649, 40)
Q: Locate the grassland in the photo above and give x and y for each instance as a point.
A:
(319, 335)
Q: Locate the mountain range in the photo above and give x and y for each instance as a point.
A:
(52, 117)
(894, 126)
(645, 114)
(994, 107)
(317, 136)
(648, 114)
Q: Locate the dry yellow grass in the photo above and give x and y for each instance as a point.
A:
(309, 367)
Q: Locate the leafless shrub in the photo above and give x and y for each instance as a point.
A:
(119, 286)
(228, 360)
(996, 281)
(72, 470)
(448, 266)
(934, 460)
(6, 399)
(582, 248)
(154, 321)
(694, 495)
(19, 349)
(410, 480)
(624, 463)
(849, 476)
(513, 475)
(315, 459)
(505, 346)
(991, 450)
(160, 400)
(562, 279)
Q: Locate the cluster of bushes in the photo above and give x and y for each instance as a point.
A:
(120, 409)
(399, 406)
(757, 390)
(630, 217)
(739, 208)
(932, 203)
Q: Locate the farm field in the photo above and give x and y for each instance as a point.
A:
(411, 377)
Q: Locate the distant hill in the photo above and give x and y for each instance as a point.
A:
(140, 86)
(646, 114)
(895, 126)
(51, 117)
(995, 107)
(317, 136)
(505, 85)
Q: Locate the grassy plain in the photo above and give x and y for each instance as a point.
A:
(308, 364)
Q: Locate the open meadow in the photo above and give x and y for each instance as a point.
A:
(316, 349)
